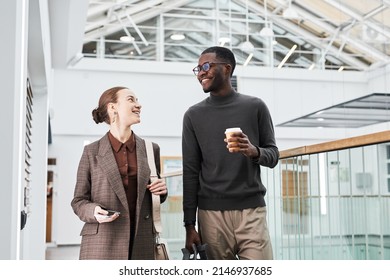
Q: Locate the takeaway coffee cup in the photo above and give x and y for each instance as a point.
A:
(230, 131)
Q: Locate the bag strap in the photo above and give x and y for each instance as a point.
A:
(155, 198)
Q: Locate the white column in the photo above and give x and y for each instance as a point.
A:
(101, 48)
(13, 75)
(269, 52)
(34, 234)
(33, 238)
(317, 55)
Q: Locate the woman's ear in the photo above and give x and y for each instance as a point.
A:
(112, 112)
(111, 107)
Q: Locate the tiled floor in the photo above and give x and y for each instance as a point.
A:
(63, 252)
(71, 252)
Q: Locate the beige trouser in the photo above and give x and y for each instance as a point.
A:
(236, 234)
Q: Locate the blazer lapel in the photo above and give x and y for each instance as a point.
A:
(143, 175)
(106, 161)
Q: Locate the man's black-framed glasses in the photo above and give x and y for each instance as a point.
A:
(205, 67)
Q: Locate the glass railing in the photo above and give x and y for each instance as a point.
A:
(326, 201)
(172, 215)
(331, 201)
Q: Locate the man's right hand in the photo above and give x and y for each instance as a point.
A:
(192, 237)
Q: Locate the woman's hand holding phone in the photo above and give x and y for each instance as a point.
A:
(105, 216)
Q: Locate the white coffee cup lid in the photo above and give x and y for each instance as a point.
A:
(233, 129)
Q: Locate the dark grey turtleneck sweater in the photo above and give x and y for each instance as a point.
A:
(213, 178)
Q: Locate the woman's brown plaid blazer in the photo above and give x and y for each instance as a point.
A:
(99, 183)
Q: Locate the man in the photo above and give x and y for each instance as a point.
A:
(223, 188)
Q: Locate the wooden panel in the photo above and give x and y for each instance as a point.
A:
(295, 202)
(49, 201)
(294, 189)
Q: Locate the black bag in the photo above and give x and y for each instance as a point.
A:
(199, 253)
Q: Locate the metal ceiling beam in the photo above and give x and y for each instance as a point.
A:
(363, 19)
(363, 47)
(101, 8)
(309, 37)
(386, 2)
(111, 20)
(199, 40)
(148, 12)
(129, 35)
(145, 10)
(375, 12)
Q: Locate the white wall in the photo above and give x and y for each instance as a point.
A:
(24, 25)
(34, 234)
(39, 72)
(379, 80)
(164, 99)
(165, 91)
(13, 75)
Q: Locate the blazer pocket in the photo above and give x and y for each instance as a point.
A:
(90, 229)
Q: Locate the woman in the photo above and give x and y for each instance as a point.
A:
(113, 174)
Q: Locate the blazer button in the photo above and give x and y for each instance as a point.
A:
(147, 217)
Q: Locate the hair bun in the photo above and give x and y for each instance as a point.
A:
(96, 115)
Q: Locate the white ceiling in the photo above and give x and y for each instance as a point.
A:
(328, 34)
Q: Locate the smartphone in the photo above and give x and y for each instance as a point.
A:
(112, 212)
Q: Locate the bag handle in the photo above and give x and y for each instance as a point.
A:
(155, 198)
(199, 250)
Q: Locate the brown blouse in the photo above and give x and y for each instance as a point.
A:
(126, 159)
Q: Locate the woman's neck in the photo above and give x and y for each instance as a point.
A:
(121, 134)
